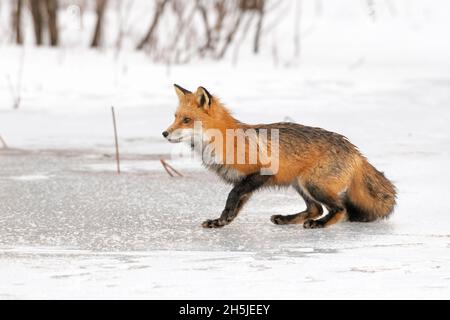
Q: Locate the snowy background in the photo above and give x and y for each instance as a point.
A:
(70, 227)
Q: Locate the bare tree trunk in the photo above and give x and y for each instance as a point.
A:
(208, 33)
(96, 39)
(17, 22)
(230, 35)
(213, 30)
(221, 12)
(36, 12)
(149, 35)
(258, 27)
(52, 14)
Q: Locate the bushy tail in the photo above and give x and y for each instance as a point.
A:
(371, 195)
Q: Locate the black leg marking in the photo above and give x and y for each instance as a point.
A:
(321, 196)
(334, 216)
(335, 206)
(237, 197)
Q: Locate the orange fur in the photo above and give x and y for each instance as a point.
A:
(324, 166)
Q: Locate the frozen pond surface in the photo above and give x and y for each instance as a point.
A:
(71, 228)
(69, 231)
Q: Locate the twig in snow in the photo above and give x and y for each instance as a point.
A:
(164, 164)
(116, 140)
(167, 166)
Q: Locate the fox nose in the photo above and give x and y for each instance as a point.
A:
(165, 134)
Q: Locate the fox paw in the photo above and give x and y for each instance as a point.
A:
(313, 224)
(277, 219)
(216, 223)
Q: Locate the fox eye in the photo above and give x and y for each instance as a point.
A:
(186, 120)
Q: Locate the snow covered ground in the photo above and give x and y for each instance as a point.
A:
(71, 228)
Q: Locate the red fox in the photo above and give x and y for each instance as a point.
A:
(322, 166)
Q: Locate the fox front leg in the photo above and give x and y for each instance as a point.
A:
(237, 197)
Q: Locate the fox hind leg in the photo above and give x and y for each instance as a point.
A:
(334, 216)
(333, 202)
(313, 210)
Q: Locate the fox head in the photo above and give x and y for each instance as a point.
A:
(192, 108)
(207, 125)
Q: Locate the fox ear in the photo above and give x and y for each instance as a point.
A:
(181, 92)
(203, 98)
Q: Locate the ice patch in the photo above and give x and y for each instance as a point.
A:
(33, 177)
(140, 166)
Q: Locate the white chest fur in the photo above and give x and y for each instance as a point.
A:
(209, 159)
